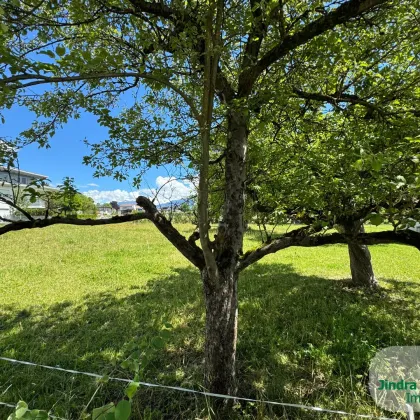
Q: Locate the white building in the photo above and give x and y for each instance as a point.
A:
(17, 180)
(128, 208)
(103, 211)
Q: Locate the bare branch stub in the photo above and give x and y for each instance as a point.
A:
(189, 249)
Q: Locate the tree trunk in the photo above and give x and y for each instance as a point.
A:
(360, 260)
(221, 332)
(220, 290)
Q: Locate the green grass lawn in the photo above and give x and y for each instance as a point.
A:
(76, 296)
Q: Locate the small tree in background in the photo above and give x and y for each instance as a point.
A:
(68, 196)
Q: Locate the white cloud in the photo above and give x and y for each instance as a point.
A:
(167, 189)
(111, 195)
(87, 185)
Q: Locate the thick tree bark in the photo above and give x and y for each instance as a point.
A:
(231, 231)
(221, 332)
(220, 291)
(360, 260)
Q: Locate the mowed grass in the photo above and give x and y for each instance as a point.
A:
(75, 297)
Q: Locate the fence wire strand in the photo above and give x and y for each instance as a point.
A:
(193, 391)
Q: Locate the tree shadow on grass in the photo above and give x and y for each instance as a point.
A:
(302, 339)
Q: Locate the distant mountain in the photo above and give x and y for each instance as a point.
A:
(126, 202)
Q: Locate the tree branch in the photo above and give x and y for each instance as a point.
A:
(219, 159)
(155, 8)
(16, 207)
(255, 39)
(4, 219)
(42, 223)
(211, 55)
(225, 91)
(342, 14)
(41, 79)
(405, 237)
(191, 251)
(336, 98)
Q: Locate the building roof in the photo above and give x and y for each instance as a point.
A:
(45, 187)
(21, 172)
(128, 205)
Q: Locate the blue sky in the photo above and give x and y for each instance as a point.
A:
(64, 158)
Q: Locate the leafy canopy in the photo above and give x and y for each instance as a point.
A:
(330, 90)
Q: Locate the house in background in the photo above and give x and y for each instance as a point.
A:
(128, 208)
(17, 179)
(104, 210)
(131, 207)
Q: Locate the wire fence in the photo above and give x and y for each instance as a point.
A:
(410, 414)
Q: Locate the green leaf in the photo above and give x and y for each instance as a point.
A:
(376, 219)
(39, 415)
(101, 412)
(21, 409)
(165, 334)
(413, 139)
(131, 389)
(86, 55)
(60, 50)
(123, 410)
(48, 52)
(358, 165)
(158, 342)
(376, 165)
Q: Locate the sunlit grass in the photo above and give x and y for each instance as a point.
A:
(74, 296)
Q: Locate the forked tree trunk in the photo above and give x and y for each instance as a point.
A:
(221, 333)
(360, 260)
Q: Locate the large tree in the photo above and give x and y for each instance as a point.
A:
(201, 75)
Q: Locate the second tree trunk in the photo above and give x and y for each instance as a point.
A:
(360, 260)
